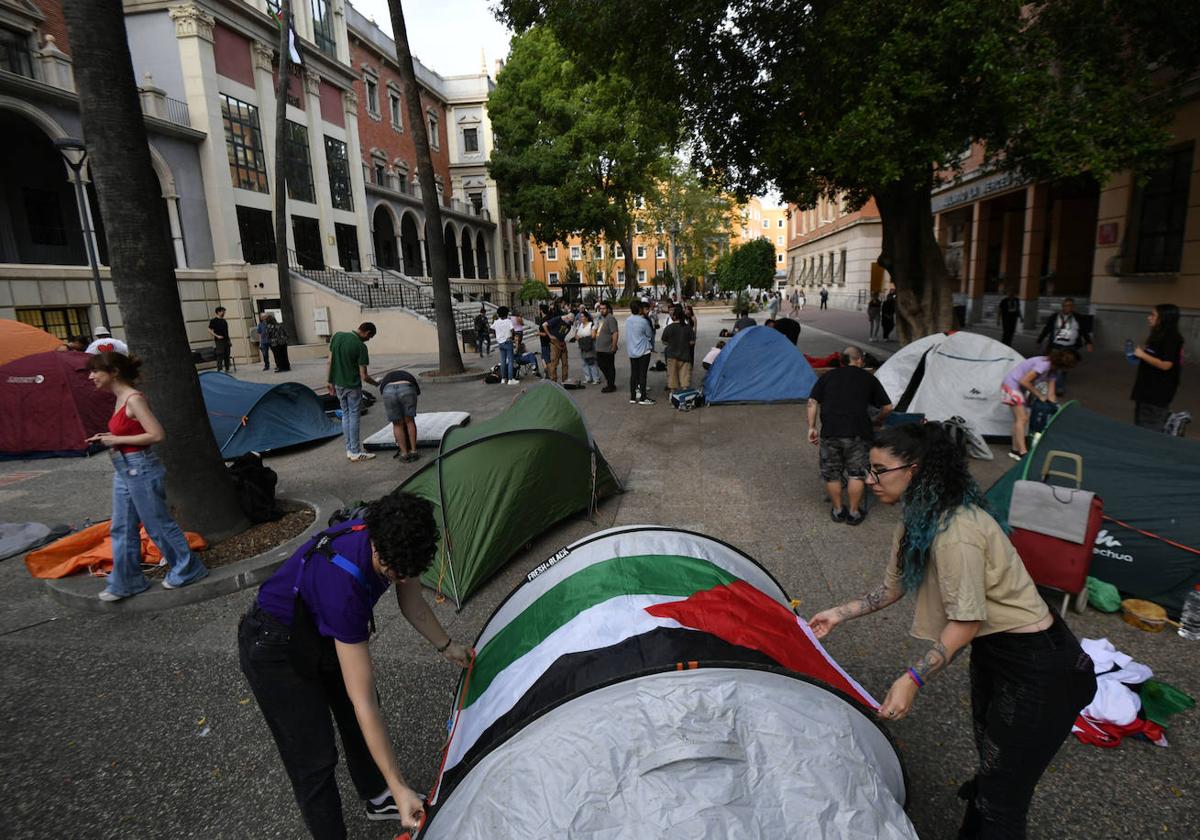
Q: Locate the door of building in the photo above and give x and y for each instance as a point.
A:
(307, 234)
(347, 245)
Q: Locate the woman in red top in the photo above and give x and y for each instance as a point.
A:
(139, 485)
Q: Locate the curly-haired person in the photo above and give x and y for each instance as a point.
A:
(303, 649)
(1029, 677)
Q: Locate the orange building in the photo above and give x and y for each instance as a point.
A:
(760, 220)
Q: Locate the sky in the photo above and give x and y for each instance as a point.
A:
(446, 35)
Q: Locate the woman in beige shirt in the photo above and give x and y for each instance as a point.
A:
(1029, 677)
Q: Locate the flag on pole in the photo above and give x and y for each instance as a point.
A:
(291, 31)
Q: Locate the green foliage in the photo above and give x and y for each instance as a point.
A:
(743, 302)
(750, 265)
(697, 218)
(533, 291)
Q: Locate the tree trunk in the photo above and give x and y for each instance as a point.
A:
(449, 358)
(911, 255)
(283, 275)
(140, 256)
(631, 269)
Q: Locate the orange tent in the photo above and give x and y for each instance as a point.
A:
(18, 340)
(91, 550)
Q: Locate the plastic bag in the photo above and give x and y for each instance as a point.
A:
(1160, 700)
(1103, 596)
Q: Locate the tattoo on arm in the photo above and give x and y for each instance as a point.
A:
(873, 601)
(935, 660)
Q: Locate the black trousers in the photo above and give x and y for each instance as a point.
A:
(1009, 328)
(608, 366)
(222, 347)
(281, 359)
(888, 324)
(298, 714)
(1026, 689)
(637, 376)
(265, 349)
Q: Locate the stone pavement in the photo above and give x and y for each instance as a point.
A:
(142, 726)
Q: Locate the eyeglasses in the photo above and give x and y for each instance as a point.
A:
(874, 474)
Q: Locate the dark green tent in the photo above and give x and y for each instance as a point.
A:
(496, 485)
(1149, 546)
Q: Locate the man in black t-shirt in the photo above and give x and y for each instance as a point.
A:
(843, 397)
(1009, 313)
(218, 328)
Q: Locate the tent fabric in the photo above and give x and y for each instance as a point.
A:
(255, 417)
(431, 428)
(18, 340)
(759, 365)
(674, 663)
(497, 484)
(955, 375)
(49, 408)
(90, 550)
(1149, 544)
(19, 537)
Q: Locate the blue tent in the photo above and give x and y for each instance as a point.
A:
(248, 416)
(759, 365)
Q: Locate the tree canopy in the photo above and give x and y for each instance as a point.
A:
(875, 98)
(689, 219)
(749, 265)
(574, 149)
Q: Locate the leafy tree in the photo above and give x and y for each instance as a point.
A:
(877, 98)
(142, 261)
(749, 265)
(692, 221)
(533, 291)
(574, 149)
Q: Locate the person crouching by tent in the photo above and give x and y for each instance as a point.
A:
(1024, 380)
(1029, 677)
(139, 485)
(303, 648)
(1158, 368)
(400, 390)
(711, 355)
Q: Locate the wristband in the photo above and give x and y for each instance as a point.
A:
(916, 678)
(449, 641)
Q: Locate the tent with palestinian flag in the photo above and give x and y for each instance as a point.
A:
(652, 682)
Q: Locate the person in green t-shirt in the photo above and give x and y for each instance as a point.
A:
(347, 371)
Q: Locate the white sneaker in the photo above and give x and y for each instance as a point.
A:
(362, 456)
(108, 596)
(503, 381)
(513, 382)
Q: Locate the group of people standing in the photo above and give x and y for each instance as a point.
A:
(881, 315)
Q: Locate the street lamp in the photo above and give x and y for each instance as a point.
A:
(75, 153)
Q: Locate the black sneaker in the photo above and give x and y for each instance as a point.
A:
(838, 515)
(853, 519)
(385, 810)
(646, 401)
(608, 389)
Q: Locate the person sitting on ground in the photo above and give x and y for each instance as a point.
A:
(678, 340)
(400, 390)
(1024, 380)
(105, 343)
(744, 320)
(844, 397)
(521, 354)
(711, 356)
(303, 649)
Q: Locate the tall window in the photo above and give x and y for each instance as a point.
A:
(1160, 213)
(766, 223)
(553, 278)
(379, 173)
(339, 174)
(598, 252)
(243, 140)
(60, 321)
(842, 271)
(552, 252)
(15, 55)
(641, 252)
(258, 235)
(297, 166)
(470, 139)
(372, 86)
(434, 139)
(660, 252)
(779, 223)
(576, 252)
(641, 275)
(394, 110)
(323, 34)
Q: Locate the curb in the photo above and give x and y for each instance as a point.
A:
(466, 376)
(79, 591)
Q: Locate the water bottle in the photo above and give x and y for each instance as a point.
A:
(1189, 622)
(1132, 359)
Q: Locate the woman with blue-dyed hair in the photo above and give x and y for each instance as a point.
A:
(1029, 677)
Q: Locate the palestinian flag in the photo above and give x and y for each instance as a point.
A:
(291, 32)
(618, 604)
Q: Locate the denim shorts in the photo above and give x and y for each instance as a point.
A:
(849, 457)
(399, 401)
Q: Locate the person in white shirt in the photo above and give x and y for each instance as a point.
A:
(503, 327)
(105, 343)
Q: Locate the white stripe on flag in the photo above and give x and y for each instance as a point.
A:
(817, 644)
(292, 46)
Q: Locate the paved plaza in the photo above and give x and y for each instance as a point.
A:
(142, 726)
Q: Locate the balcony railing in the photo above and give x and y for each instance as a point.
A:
(177, 111)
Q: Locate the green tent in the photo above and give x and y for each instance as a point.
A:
(1149, 544)
(496, 485)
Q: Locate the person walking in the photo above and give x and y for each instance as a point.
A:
(607, 335)
(887, 314)
(639, 344)
(557, 328)
(277, 338)
(773, 303)
(139, 485)
(218, 328)
(400, 391)
(1029, 677)
(824, 298)
(585, 337)
(803, 300)
(345, 375)
(1066, 331)
(483, 335)
(679, 341)
(303, 647)
(1157, 377)
(1021, 385)
(1008, 315)
(842, 398)
(503, 327)
(264, 339)
(874, 307)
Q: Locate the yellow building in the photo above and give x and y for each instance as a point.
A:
(761, 219)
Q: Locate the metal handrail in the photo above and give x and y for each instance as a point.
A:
(177, 112)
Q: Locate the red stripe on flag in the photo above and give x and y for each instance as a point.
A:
(742, 615)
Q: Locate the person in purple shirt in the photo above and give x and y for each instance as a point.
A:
(1023, 380)
(303, 649)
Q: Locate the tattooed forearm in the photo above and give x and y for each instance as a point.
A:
(873, 601)
(933, 661)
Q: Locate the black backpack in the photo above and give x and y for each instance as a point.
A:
(255, 485)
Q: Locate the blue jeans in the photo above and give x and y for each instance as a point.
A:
(591, 370)
(506, 359)
(140, 498)
(265, 349)
(350, 400)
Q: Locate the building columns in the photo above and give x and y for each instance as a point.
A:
(980, 228)
(358, 187)
(320, 167)
(1037, 197)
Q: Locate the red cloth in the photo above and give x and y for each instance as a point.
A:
(832, 360)
(1100, 733)
(125, 426)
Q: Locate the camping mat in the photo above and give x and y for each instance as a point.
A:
(19, 537)
(91, 550)
(431, 426)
